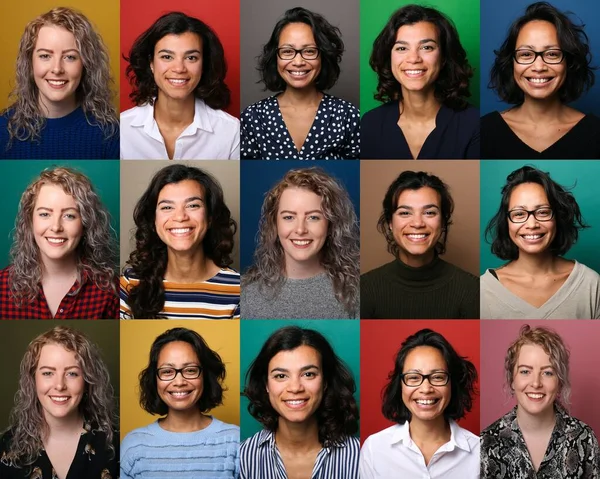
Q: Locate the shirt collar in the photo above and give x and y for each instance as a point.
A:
(144, 117)
(267, 438)
(457, 436)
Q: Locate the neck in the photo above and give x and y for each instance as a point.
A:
(64, 426)
(57, 109)
(300, 97)
(185, 421)
(59, 268)
(437, 430)
(174, 112)
(189, 266)
(304, 269)
(297, 437)
(542, 111)
(536, 264)
(416, 261)
(536, 422)
(419, 105)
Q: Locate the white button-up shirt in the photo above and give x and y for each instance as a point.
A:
(213, 135)
(392, 453)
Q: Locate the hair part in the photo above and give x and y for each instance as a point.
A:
(463, 378)
(337, 415)
(452, 84)
(340, 253)
(573, 41)
(212, 88)
(327, 38)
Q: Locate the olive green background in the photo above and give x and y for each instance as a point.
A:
(374, 14)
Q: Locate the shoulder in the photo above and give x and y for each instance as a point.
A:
(5, 272)
(384, 436)
(586, 272)
(221, 427)
(129, 277)
(381, 112)
(127, 115)
(491, 119)
(229, 274)
(495, 429)
(573, 427)
(260, 107)
(461, 274)
(341, 105)
(249, 447)
(379, 272)
(142, 436)
(472, 439)
(218, 117)
(4, 117)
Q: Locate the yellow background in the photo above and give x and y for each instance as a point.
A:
(103, 14)
(137, 337)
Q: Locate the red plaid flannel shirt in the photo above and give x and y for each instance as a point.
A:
(90, 302)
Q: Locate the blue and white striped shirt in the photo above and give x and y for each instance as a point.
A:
(260, 459)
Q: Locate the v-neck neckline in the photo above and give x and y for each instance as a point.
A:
(287, 134)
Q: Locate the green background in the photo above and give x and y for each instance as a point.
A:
(343, 335)
(18, 334)
(17, 175)
(374, 14)
(581, 177)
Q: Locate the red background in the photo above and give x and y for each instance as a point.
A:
(223, 16)
(380, 341)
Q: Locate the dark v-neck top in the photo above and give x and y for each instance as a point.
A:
(498, 141)
(455, 136)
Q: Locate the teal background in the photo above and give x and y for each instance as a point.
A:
(374, 14)
(579, 176)
(343, 335)
(17, 175)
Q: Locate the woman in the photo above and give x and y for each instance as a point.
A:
(423, 80)
(63, 422)
(430, 388)
(62, 100)
(183, 381)
(63, 265)
(299, 62)
(302, 393)
(538, 437)
(543, 64)
(184, 238)
(418, 284)
(306, 260)
(177, 71)
(537, 223)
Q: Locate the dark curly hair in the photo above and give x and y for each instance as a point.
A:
(452, 84)
(213, 372)
(337, 415)
(415, 180)
(328, 40)
(211, 88)
(148, 262)
(572, 40)
(463, 377)
(566, 214)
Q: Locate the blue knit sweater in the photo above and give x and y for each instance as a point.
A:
(68, 138)
(153, 453)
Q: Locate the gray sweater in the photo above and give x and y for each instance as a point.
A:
(311, 298)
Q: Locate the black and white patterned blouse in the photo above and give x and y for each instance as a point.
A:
(572, 451)
(335, 132)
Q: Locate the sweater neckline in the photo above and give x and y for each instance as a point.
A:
(66, 120)
(423, 274)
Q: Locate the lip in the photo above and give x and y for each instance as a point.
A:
(296, 403)
(426, 406)
(301, 243)
(536, 399)
(417, 238)
(181, 232)
(539, 82)
(298, 73)
(532, 238)
(179, 395)
(55, 243)
(56, 86)
(178, 82)
(61, 402)
(414, 72)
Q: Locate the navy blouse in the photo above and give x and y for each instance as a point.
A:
(335, 132)
(456, 135)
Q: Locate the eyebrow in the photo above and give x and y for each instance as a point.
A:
(431, 371)
(52, 51)
(171, 365)
(425, 40)
(545, 47)
(425, 207)
(187, 52)
(187, 200)
(54, 369)
(549, 366)
(302, 369)
(523, 207)
(295, 212)
(50, 209)
(303, 46)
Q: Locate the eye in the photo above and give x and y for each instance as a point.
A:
(167, 371)
(524, 372)
(314, 217)
(311, 374)
(427, 48)
(544, 213)
(70, 216)
(518, 214)
(70, 58)
(193, 58)
(310, 51)
(287, 51)
(166, 208)
(279, 376)
(287, 217)
(191, 370)
(549, 373)
(73, 374)
(44, 214)
(194, 205)
(431, 213)
(46, 373)
(404, 213)
(166, 56)
(44, 56)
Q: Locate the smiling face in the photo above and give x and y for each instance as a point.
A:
(425, 402)
(539, 80)
(298, 72)
(59, 383)
(417, 225)
(177, 65)
(416, 56)
(181, 216)
(57, 224)
(57, 69)
(295, 384)
(301, 227)
(535, 382)
(179, 393)
(533, 236)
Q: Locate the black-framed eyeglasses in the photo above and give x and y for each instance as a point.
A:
(520, 215)
(551, 56)
(289, 53)
(189, 372)
(413, 380)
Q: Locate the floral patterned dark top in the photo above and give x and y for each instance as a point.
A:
(572, 452)
(92, 459)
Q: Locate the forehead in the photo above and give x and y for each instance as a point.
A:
(53, 354)
(55, 37)
(54, 195)
(181, 189)
(423, 196)
(177, 352)
(296, 34)
(533, 354)
(417, 32)
(299, 198)
(529, 195)
(183, 42)
(539, 34)
(424, 358)
(297, 358)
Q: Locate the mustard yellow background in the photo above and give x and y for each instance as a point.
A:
(104, 16)
(137, 337)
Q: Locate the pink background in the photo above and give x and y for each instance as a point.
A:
(581, 337)
(380, 341)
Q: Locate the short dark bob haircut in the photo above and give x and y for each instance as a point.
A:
(213, 372)
(572, 40)
(415, 180)
(148, 261)
(211, 88)
(452, 84)
(463, 377)
(329, 42)
(337, 416)
(567, 214)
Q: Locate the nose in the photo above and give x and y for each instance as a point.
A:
(57, 224)
(413, 55)
(181, 214)
(537, 381)
(417, 221)
(57, 65)
(300, 227)
(59, 385)
(295, 385)
(298, 60)
(179, 65)
(539, 64)
(532, 222)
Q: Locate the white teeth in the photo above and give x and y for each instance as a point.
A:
(56, 240)
(296, 402)
(59, 398)
(301, 242)
(298, 74)
(415, 236)
(531, 237)
(413, 72)
(539, 80)
(177, 82)
(535, 396)
(180, 394)
(426, 402)
(180, 231)
(57, 82)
